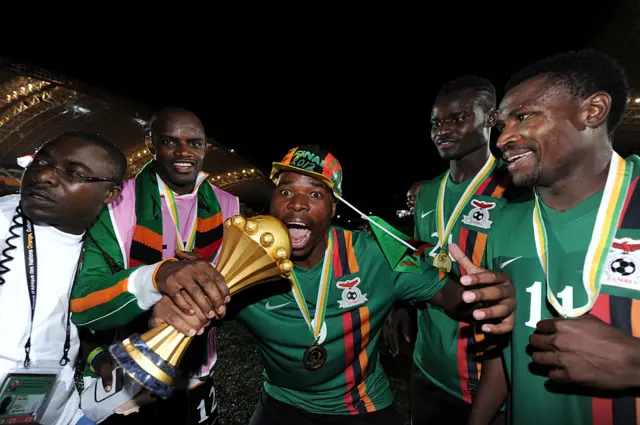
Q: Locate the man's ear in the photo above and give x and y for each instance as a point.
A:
(492, 118)
(334, 205)
(595, 109)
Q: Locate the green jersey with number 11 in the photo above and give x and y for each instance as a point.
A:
(534, 398)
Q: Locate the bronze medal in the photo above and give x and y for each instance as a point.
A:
(315, 357)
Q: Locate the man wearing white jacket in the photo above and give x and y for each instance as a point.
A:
(63, 189)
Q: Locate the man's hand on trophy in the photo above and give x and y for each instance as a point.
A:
(200, 281)
(165, 311)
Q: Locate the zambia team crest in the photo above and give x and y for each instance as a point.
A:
(351, 294)
(622, 264)
(479, 215)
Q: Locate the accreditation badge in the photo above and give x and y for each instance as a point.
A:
(25, 394)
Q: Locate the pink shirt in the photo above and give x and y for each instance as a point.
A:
(123, 216)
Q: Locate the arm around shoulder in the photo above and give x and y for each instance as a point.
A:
(106, 295)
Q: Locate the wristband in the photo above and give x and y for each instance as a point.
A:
(94, 355)
(153, 278)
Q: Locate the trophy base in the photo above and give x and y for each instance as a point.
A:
(145, 366)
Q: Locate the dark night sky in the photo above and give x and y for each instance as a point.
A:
(361, 85)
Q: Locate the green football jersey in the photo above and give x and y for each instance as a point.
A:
(534, 398)
(446, 351)
(363, 289)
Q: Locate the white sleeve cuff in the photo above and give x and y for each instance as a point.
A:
(141, 286)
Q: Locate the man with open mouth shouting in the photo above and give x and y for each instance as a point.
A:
(318, 333)
(168, 210)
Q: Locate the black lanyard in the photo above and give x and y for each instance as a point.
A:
(31, 265)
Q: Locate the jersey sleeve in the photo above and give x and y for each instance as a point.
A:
(106, 295)
(411, 287)
(418, 288)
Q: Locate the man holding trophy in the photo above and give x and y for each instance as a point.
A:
(318, 331)
(135, 256)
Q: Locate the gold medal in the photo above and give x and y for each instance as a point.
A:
(442, 261)
(444, 227)
(315, 357)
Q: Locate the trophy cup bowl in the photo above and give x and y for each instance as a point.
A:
(254, 251)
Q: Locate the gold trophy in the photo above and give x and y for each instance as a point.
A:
(254, 251)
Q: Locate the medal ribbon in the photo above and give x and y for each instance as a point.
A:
(444, 231)
(170, 199)
(323, 292)
(609, 211)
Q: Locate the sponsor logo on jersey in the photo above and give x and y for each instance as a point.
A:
(274, 307)
(479, 214)
(424, 214)
(351, 294)
(506, 263)
(622, 264)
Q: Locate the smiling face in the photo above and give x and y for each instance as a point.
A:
(459, 124)
(305, 205)
(542, 132)
(178, 140)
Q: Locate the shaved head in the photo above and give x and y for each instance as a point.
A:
(173, 114)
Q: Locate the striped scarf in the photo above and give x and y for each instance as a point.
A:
(146, 247)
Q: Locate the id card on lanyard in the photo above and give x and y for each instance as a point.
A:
(27, 390)
(24, 395)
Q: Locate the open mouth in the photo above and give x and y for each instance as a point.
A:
(445, 144)
(300, 234)
(183, 166)
(515, 160)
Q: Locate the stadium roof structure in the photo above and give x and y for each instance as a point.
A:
(36, 105)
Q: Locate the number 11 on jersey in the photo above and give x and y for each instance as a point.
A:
(537, 295)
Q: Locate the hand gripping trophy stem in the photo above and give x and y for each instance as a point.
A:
(254, 251)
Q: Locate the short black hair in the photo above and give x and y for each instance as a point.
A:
(483, 87)
(583, 73)
(162, 113)
(117, 159)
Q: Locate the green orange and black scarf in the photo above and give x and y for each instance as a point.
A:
(146, 247)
